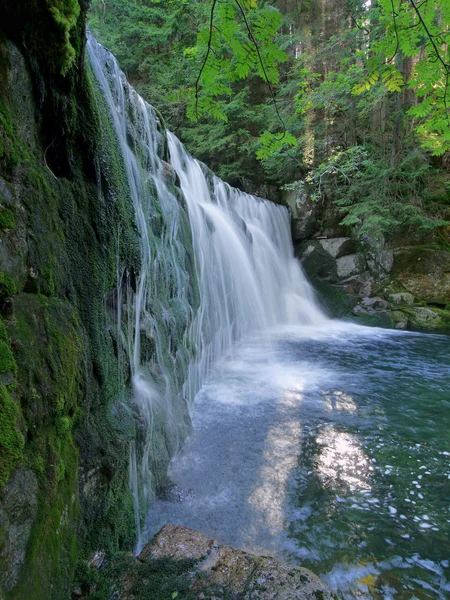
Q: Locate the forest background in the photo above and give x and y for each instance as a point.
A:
(344, 100)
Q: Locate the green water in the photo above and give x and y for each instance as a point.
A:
(373, 480)
(329, 448)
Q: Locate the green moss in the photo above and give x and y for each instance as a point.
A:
(7, 285)
(11, 440)
(427, 318)
(155, 579)
(48, 351)
(376, 319)
(7, 220)
(3, 333)
(52, 547)
(10, 149)
(7, 362)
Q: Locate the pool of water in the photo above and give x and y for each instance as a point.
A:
(326, 447)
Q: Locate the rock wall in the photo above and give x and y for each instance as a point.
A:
(401, 282)
(65, 421)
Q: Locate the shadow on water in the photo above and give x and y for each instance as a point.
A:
(328, 447)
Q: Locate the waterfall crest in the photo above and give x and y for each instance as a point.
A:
(217, 264)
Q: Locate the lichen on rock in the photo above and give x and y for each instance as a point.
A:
(180, 561)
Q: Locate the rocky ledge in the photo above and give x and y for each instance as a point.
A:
(406, 287)
(184, 564)
(401, 280)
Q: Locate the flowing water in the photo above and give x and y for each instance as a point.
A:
(323, 443)
(328, 447)
(216, 265)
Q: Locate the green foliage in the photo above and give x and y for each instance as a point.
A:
(419, 33)
(161, 579)
(346, 93)
(235, 44)
(270, 143)
(379, 198)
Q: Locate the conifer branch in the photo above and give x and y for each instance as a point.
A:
(251, 37)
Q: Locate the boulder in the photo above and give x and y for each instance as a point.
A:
(305, 213)
(350, 265)
(401, 298)
(374, 303)
(360, 285)
(317, 263)
(230, 573)
(380, 263)
(338, 247)
(424, 272)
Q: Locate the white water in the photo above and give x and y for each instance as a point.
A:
(248, 279)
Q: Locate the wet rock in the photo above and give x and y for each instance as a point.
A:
(224, 572)
(374, 303)
(380, 263)
(97, 560)
(305, 213)
(424, 272)
(399, 319)
(401, 298)
(350, 265)
(338, 247)
(360, 285)
(422, 316)
(175, 541)
(317, 263)
(18, 510)
(7, 378)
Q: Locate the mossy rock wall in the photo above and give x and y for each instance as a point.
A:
(65, 429)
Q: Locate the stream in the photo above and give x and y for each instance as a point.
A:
(328, 447)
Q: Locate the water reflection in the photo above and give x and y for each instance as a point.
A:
(279, 460)
(342, 461)
(312, 450)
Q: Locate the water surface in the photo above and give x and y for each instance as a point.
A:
(328, 447)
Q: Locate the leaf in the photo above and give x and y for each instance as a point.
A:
(271, 143)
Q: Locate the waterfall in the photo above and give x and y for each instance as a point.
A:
(216, 265)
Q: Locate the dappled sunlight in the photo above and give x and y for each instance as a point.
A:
(339, 401)
(279, 460)
(342, 461)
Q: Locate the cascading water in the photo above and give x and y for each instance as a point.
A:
(248, 277)
(199, 289)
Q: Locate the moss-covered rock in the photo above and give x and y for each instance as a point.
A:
(62, 415)
(183, 563)
(321, 269)
(424, 272)
(423, 317)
